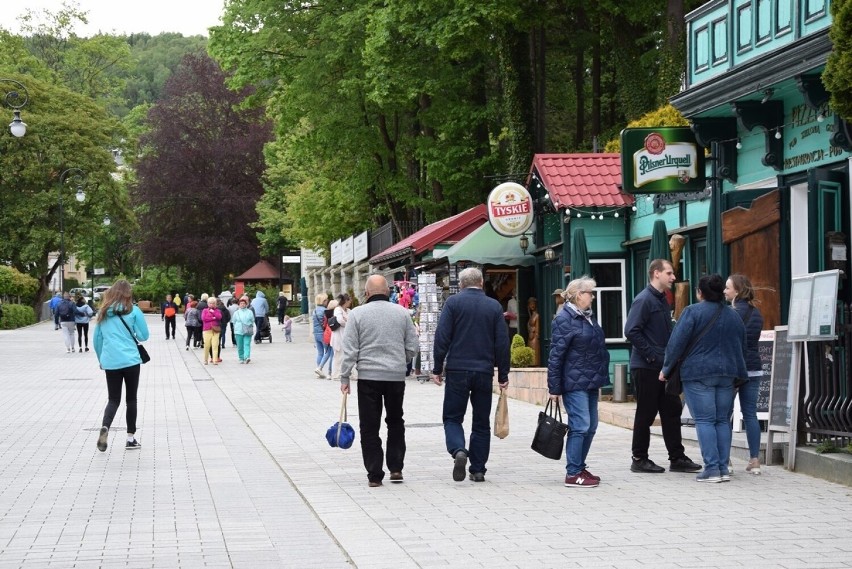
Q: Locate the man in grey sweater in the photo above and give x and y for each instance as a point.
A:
(380, 339)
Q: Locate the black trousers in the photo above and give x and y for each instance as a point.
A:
(170, 326)
(82, 331)
(129, 376)
(372, 395)
(651, 398)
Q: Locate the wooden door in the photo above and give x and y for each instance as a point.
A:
(753, 237)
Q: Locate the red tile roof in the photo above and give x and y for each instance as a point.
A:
(262, 271)
(581, 180)
(451, 229)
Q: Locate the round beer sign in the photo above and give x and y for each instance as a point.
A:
(510, 209)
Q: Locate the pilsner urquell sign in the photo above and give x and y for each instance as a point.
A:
(661, 160)
(510, 209)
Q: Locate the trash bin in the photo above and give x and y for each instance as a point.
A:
(619, 384)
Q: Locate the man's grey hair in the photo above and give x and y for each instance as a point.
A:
(470, 277)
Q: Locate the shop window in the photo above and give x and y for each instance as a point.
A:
(814, 9)
(744, 28)
(783, 17)
(702, 49)
(720, 41)
(764, 20)
(610, 297)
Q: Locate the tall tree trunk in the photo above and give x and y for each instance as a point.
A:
(580, 82)
(596, 82)
(516, 77)
(538, 50)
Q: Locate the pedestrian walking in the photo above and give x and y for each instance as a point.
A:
(379, 340)
(119, 325)
(261, 311)
(211, 319)
(168, 314)
(288, 328)
(718, 340)
(324, 352)
(577, 368)
(82, 315)
(470, 340)
(740, 293)
(648, 327)
(281, 307)
(65, 311)
(54, 302)
(226, 320)
(341, 314)
(243, 323)
(192, 322)
(233, 306)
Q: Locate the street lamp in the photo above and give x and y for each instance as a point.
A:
(106, 224)
(15, 99)
(78, 177)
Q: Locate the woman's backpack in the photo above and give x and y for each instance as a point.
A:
(326, 332)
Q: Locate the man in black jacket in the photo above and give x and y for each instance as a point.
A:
(648, 327)
(472, 337)
(168, 314)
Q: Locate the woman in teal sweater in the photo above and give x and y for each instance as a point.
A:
(119, 325)
(243, 322)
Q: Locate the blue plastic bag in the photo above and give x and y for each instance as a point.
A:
(341, 434)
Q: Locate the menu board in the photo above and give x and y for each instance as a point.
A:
(779, 404)
(764, 348)
(823, 305)
(798, 319)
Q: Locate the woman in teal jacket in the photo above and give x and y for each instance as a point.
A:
(243, 322)
(118, 355)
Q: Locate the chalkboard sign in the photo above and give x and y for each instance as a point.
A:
(764, 348)
(779, 404)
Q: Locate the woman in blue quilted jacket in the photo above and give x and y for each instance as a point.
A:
(577, 368)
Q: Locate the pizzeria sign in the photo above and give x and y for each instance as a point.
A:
(661, 160)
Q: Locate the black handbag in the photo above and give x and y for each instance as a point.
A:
(673, 383)
(143, 353)
(549, 438)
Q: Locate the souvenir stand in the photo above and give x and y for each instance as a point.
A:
(430, 310)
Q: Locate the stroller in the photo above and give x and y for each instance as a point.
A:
(265, 330)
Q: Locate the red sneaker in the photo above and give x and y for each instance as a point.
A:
(580, 481)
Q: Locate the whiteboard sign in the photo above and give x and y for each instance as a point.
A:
(813, 306)
(798, 317)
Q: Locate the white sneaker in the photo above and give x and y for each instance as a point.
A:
(319, 373)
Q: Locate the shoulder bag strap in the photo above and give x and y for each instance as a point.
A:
(704, 331)
(132, 335)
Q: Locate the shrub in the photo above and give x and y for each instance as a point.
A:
(270, 292)
(156, 283)
(17, 285)
(17, 316)
(521, 355)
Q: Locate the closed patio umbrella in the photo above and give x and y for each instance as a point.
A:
(303, 289)
(660, 242)
(579, 255)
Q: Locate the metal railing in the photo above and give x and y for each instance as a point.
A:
(827, 404)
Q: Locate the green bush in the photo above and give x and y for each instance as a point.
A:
(16, 316)
(157, 282)
(521, 355)
(15, 284)
(270, 292)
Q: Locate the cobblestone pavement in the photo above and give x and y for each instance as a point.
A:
(234, 471)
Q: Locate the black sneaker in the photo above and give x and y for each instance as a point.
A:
(132, 444)
(459, 465)
(684, 464)
(102, 439)
(477, 476)
(646, 465)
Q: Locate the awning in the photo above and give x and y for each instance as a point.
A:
(451, 229)
(487, 247)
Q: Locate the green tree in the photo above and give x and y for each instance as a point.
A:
(838, 70)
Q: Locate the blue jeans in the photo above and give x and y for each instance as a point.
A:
(324, 353)
(582, 410)
(711, 403)
(459, 387)
(748, 405)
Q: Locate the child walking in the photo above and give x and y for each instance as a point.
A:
(288, 328)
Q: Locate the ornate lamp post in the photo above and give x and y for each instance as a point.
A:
(107, 221)
(15, 99)
(78, 177)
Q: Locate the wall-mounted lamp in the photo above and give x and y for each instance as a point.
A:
(524, 243)
(549, 254)
(767, 94)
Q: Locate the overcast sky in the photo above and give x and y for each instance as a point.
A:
(188, 17)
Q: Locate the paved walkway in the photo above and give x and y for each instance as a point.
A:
(235, 472)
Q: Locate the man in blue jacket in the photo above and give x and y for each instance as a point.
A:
(470, 340)
(54, 302)
(648, 327)
(261, 309)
